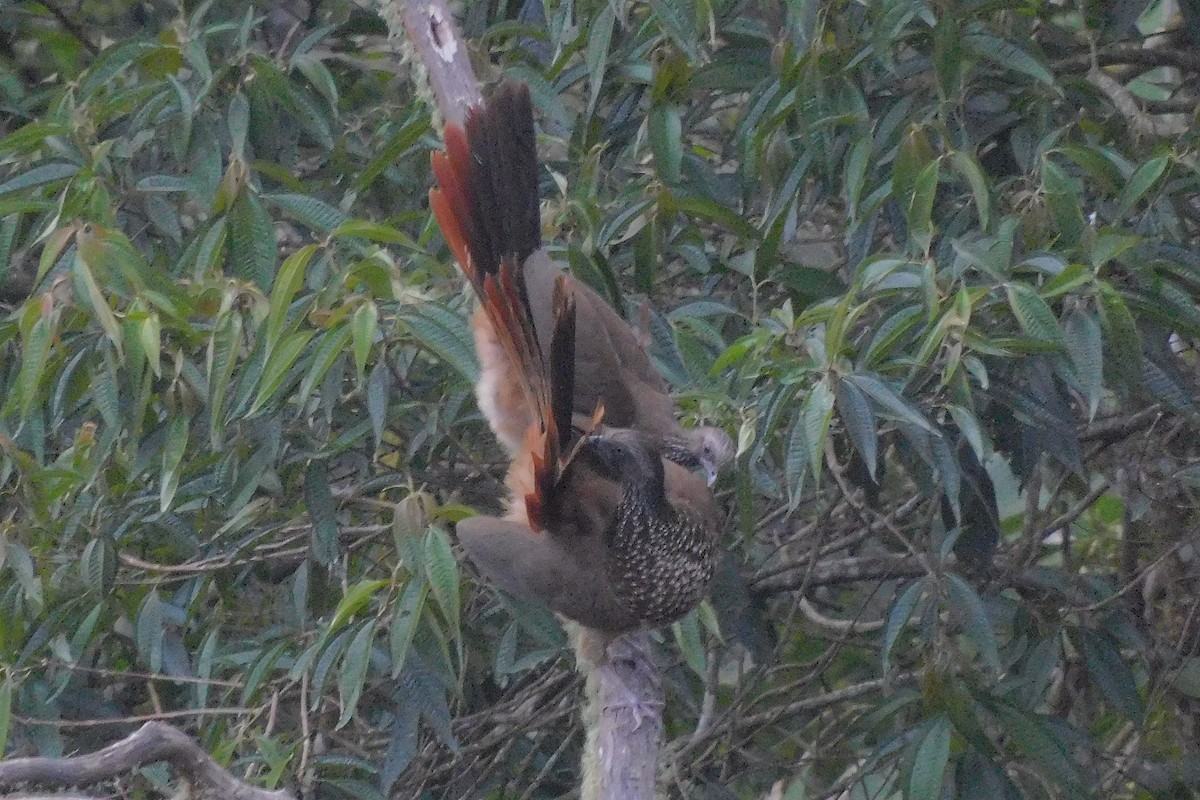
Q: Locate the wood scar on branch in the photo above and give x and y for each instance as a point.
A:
(444, 43)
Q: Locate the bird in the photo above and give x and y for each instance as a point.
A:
(488, 199)
(611, 521)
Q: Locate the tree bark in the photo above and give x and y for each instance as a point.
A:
(153, 742)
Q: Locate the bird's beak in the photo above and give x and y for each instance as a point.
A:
(710, 472)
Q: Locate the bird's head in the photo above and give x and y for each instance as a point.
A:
(714, 450)
(707, 448)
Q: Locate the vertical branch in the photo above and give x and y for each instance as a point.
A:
(440, 49)
(623, 713)
(623, 720)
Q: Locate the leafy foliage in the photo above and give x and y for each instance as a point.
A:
(932, 262)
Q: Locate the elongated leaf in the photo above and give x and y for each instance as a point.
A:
(365, 326)
(353, 673)
(967, 166)
(446, 334)
(150, 620)
(854, 409)
(276, 369)
(929, 763)
(975, 619)
(319, 500)
(1122, 343)
(1140, 182)
(287, 283)
(406, 617)
(35, 352)
(39, 176)
(174, 449)
(1007, 55)
(817, 412)
(332, 347)
(442, 571)
(223, 349)
(889, 400)
(897, 618)
(6, 697)
(96, 300)
(1085, 344)
(1033, 314)
(1110, 672)
(666, 142)
(251, 240)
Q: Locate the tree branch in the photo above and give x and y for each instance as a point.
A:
(153, 742)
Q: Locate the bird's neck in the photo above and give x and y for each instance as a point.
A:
(647, 494)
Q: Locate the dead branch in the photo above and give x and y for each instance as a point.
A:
(153, 742)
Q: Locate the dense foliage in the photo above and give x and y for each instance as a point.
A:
(932, 263)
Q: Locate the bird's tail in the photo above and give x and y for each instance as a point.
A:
(486, 204)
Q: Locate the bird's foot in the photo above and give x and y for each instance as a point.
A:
(638, 699)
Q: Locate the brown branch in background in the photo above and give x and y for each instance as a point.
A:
(1118, 55)
(153, 742)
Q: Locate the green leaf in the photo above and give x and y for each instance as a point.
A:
(31, 137)
(856, 172)
(975, 620)
(174, 449)
(39, 176)
(34, 355)
(287, 283)
(406, 616)
(353, 673)
(817, 412)
(333, 345)
(373, 231)
(223, 349)
(7, 689)
(897, 619)
(666, 142)
(1034, 316)
(445, 334)
(353, 601)
(920, 205)
(1110, 672)
(251, 240)
(715, 212)
(1121, 339)
(967, 166)
(442, 571)
(854, 409)
(96, 301)
(316, 214)
(1007, 55)
(1140, 182)
(892, 402)
(1085, 345)
(366, 326)
(149, 631)
(277, 366)
(238, 121)
(319, 500)
(929, 763)
(599, 36)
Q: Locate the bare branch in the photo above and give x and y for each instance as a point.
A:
(153, 742)
(441, 50)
